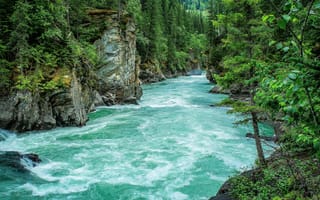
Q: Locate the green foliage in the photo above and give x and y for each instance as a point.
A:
(41, 81)
(5, 73)
(167, 32)
(45, 36)
(41, 37)
(180, 60)
(279, 181)
(134, 8)
(273, 48)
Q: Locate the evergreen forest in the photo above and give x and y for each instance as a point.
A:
(271, 49)
(39, 38)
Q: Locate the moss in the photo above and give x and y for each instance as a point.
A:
(40, 81)
(62, 77)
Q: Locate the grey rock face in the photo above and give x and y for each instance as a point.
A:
(69, 106)
(117, 83)
(24, 110)
(218, 90)
(118, 75)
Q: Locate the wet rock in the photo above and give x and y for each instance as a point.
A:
(109, 99)
(131, 100)
(34, 158)
(98, 101)
(149, 76)
(69, 106)
(17, 161)
(174, 74)
(239, 89)
(224, 192)
(218, 90)
(151, 72)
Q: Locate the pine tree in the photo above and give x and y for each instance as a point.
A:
(241, 63)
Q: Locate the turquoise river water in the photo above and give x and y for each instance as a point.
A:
(171, 146)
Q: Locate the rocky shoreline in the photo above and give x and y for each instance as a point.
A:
(236, 92)
(301, 168)
(276, 161)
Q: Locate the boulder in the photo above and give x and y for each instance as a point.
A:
(150, 72)
(218, 90)
(17, 161)
(150, 76)
(131, 100)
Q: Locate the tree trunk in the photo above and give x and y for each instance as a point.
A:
(255, 125)
(257, 138)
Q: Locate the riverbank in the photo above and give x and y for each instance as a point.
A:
(291, 172)
(287, 175)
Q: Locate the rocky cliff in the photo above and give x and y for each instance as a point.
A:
(26, 110)
(116, 81)
(118, 75)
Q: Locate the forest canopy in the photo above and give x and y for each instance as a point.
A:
(38, 38)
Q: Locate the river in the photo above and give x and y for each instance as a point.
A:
(172, 145)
